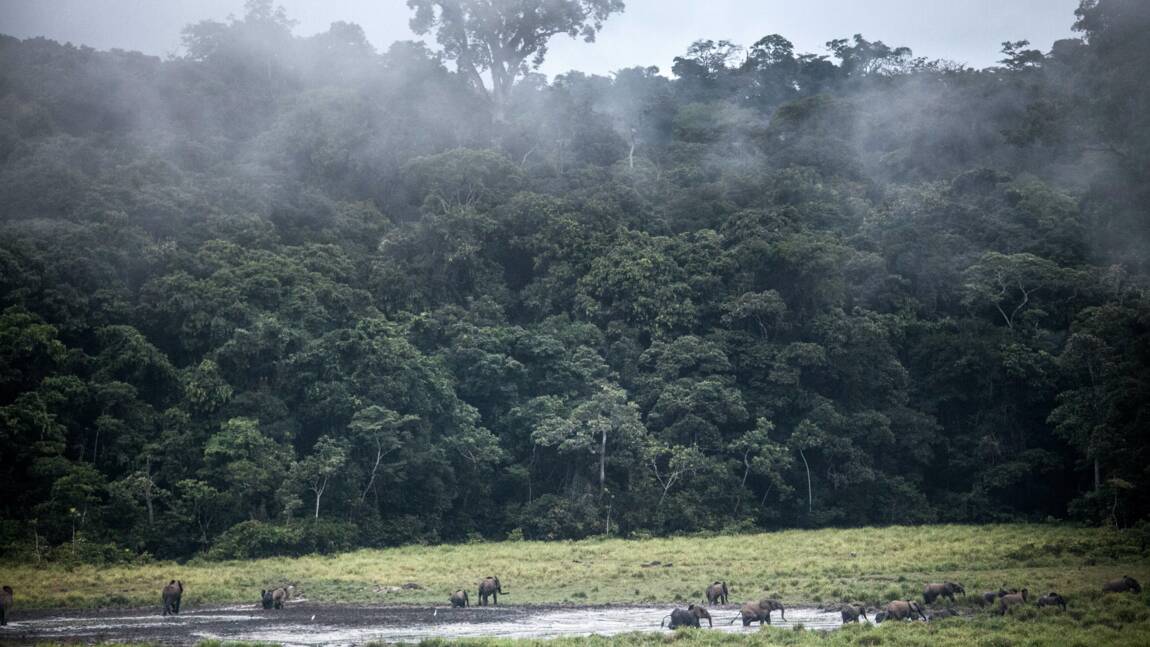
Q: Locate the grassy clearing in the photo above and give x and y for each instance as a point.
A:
(871, 565)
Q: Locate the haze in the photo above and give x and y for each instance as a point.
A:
(649, 32)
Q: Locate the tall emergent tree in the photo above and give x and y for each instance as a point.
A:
(507, 38)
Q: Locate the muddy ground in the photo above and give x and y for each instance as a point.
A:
(305, 623)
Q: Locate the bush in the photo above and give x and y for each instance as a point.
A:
(81, 551)
(555, 517)
(253, 539)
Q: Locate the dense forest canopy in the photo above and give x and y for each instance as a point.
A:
(282, 294)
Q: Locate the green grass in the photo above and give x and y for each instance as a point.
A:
(870, 565)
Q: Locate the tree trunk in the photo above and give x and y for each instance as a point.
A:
(743, 484)
(148, 484)
(379, 454)
(810, 505)
(603, 463)
(319, 493)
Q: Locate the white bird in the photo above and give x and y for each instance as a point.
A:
(435, 613)
(313, 617)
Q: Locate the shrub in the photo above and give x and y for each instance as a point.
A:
(554, 517)
(253, 539)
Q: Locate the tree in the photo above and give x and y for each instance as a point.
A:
(1010, 284)
(606, 414)
(249, 464)
(505, 37)
(808, 435)
(865, 58)
(383, 432)
(326, 459)
(681, 461)
(762, 457)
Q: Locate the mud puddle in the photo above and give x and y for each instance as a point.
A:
(344, 625)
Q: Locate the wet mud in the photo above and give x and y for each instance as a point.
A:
(307, 623)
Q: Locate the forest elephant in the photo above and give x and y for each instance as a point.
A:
(1122, 585)
(688, 617)
(1011, 600)
(274, 598)
(5, 604)
(459, 600)
(717, 592)
(851, 613)
(948, 612)
(490, 587)
(1052, 599)
(759, 612)
(171, 597)
(989, 597)
(900, 610)
(946, 589)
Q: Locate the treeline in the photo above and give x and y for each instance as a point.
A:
(287, 294)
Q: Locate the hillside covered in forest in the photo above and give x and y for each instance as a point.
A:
(284, 294)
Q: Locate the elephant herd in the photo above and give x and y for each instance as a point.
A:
(717, 593)
(1003, 602)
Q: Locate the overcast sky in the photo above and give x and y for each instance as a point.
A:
(649, 32)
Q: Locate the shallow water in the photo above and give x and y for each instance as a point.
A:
(315, 624)
(604, 621)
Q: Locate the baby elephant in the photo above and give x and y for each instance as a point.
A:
(1122, 585)
(688, 617)
(948, 612)
(851, 613)
(1052, 599)
(459, 600)
(5, 604)
(1011, 600)
(759, 612)
(990, 596)
(900, 610)
(171, 597)
(946, 589)
(274, 599)
(717, 592)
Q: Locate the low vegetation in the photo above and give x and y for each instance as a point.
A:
(871, 565)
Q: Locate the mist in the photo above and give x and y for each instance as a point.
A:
(338, 280)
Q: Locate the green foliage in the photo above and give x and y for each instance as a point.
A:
(288, 278)
(255, 539)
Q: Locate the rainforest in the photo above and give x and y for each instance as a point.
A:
(280, 294)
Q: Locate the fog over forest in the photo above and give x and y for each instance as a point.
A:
(282, 294)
